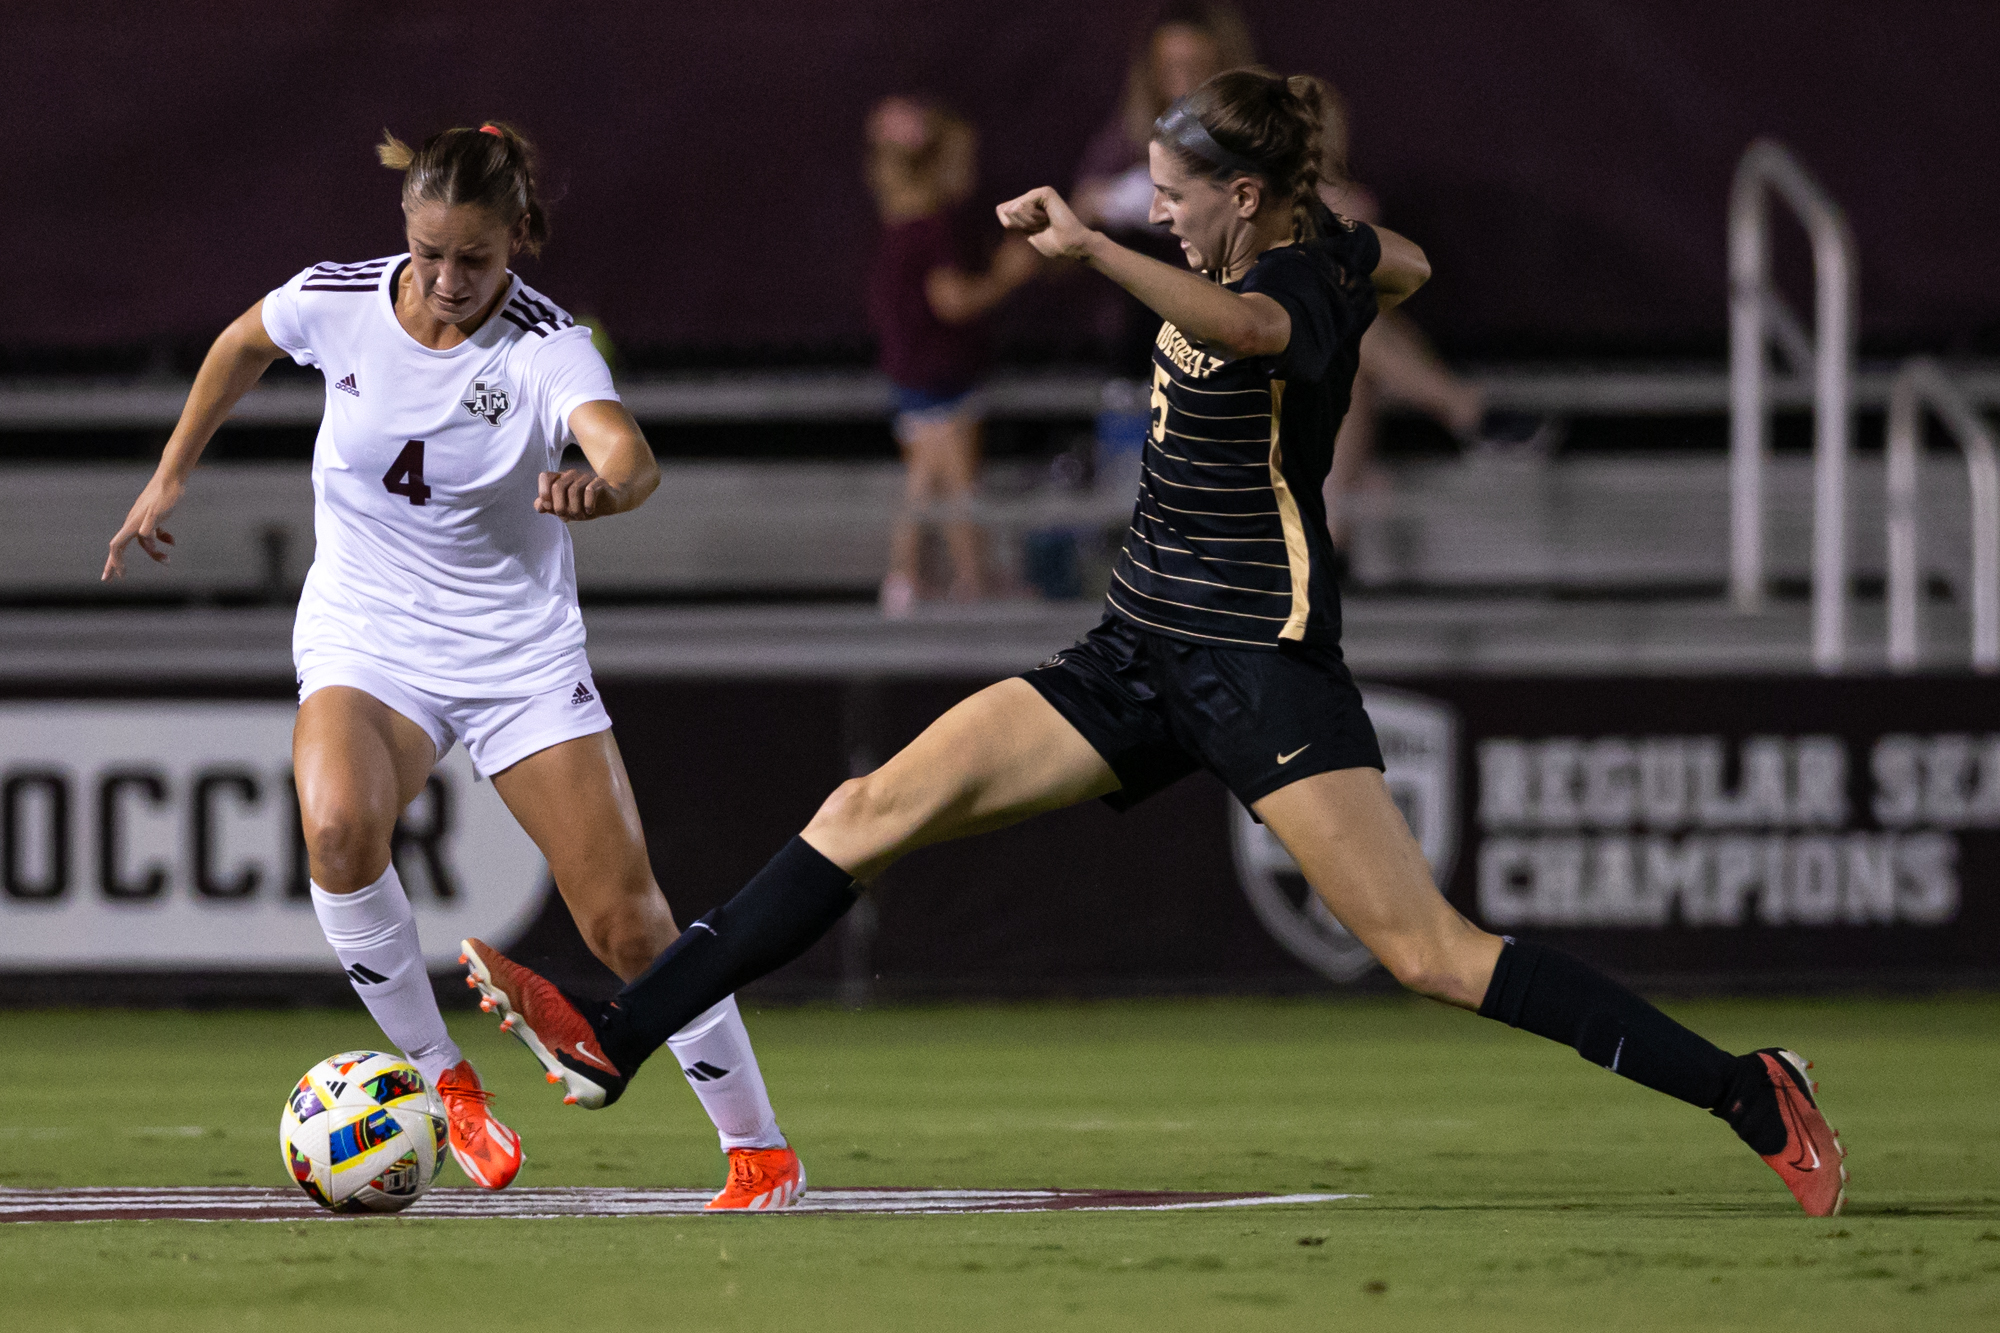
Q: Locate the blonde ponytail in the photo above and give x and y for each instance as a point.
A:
(393, 153)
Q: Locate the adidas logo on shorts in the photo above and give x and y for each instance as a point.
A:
(348, 385)
(582, 695)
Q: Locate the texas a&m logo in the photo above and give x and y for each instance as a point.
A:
(488, 399)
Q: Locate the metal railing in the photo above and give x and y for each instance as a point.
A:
(1919, 384)
(1757, 316)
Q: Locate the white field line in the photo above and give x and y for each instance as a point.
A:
(255, 1204)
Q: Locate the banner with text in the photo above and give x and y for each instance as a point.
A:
(164, 835)
(1696, 830)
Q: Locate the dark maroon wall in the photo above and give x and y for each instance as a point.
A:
(1565, 163)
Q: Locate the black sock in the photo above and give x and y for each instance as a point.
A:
(1752, 1109)
(1552, 994)
(796, 898)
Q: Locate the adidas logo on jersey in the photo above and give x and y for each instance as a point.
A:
(488, 399)
(347, 385)
(582, 695)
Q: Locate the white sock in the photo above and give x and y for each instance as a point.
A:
(375, 937)
(714, 1052)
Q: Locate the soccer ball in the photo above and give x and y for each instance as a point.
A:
(363, 1133)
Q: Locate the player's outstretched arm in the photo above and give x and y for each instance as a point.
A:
(235, 363)
(1236, 324)
(624, 469)
(1403, 269)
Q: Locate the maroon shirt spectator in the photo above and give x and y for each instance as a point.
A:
(918, 349)
(928, 297)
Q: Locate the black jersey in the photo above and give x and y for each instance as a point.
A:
(1228, 544)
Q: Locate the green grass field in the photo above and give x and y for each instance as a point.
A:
(1511, 1185)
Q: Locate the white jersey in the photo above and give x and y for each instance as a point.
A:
(431, 559)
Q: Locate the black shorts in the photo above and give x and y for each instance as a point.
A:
(1158, 708)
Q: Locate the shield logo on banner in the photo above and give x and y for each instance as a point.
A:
(1420, 747)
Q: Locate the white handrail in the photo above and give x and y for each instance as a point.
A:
(1768, 166)
(1922, 383)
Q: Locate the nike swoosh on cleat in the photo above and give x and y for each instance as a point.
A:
(595, 1058)
(1795, 1127)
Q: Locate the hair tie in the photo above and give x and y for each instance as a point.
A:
(493, 130)
(1181, 128)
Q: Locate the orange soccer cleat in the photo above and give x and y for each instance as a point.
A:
(1809, 1163)
(547, 1023)
(761, 1179)
(488, 1151)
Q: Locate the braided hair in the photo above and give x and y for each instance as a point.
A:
(1251, 122)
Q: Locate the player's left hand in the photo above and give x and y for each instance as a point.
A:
(574, 495)
(1047, 221)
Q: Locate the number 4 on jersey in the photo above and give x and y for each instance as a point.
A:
(406, 475)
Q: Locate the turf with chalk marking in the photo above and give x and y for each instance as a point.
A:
(240, 1204)
(1508, 1184)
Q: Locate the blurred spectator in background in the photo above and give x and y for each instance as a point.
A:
(928, 295)
(1186, 45)
(1189, 43)
(1398, 365)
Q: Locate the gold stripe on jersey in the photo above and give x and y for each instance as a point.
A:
(1192, 606)
(1222, 416)
(1177, 629)
(1217, 439)
(1295, 529)
(1190, 537)
(1188, 486)
(1226, 587)
(1206, 559)
(1194, 463)
(1223, 513)
(1266, 540)
(1212, 393)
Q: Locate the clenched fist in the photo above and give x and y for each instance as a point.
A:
(574, 495)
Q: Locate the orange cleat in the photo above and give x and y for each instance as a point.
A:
(547, 1023)
(761, 1179)
(488, 1151)
(1809, 1163)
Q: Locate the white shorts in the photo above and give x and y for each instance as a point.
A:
(497, 733)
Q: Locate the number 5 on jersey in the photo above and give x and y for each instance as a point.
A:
(406, 475)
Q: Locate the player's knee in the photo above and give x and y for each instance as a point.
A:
(1407, 964)
(855, 808)
(627, 932)
(345, 841)
(1421, 965)
(621, 941)
(1443, 969)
